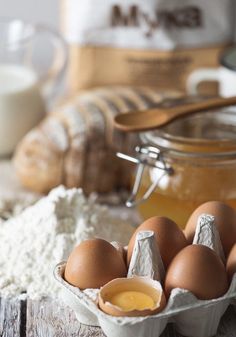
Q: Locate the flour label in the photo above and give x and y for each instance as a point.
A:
(153, 24)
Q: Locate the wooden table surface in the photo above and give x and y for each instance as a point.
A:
(46, 318)
(49, 318)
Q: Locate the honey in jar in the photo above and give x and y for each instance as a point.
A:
(184, 164)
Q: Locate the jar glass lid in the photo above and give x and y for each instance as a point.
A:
(211, 132)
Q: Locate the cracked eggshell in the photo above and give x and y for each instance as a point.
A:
(136, 283)
(170, 239)
(225, 221)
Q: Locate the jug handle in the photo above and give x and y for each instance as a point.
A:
(49, 81)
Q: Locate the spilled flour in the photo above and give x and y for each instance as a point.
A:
(32, 243)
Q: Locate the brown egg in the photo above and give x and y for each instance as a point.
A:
(231, 263)
(94, 263)
(225, 220)
(170, 238)
(198, 269)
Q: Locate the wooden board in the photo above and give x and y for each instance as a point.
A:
(11, 317)
(46, 318)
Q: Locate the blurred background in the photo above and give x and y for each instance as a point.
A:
(42, 11)
(115, 57)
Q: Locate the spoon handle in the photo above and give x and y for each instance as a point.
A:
(153, 118)
(205, 105)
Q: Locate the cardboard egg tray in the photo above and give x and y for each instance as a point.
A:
(192, 317)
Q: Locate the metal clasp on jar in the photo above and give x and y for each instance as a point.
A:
(147, 157)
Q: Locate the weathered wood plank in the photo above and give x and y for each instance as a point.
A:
(12, 317)
(49, 319)
(87, 331)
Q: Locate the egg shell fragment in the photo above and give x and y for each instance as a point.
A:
(142, 284)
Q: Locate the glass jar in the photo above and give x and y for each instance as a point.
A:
(188, 162)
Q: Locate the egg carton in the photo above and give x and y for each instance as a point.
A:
(191, 317)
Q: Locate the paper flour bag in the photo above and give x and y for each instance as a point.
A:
(135, 42)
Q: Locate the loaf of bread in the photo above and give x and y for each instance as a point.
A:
(76, 144)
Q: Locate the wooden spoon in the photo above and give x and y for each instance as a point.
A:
(166, 112)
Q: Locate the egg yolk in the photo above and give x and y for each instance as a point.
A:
(132, 300)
